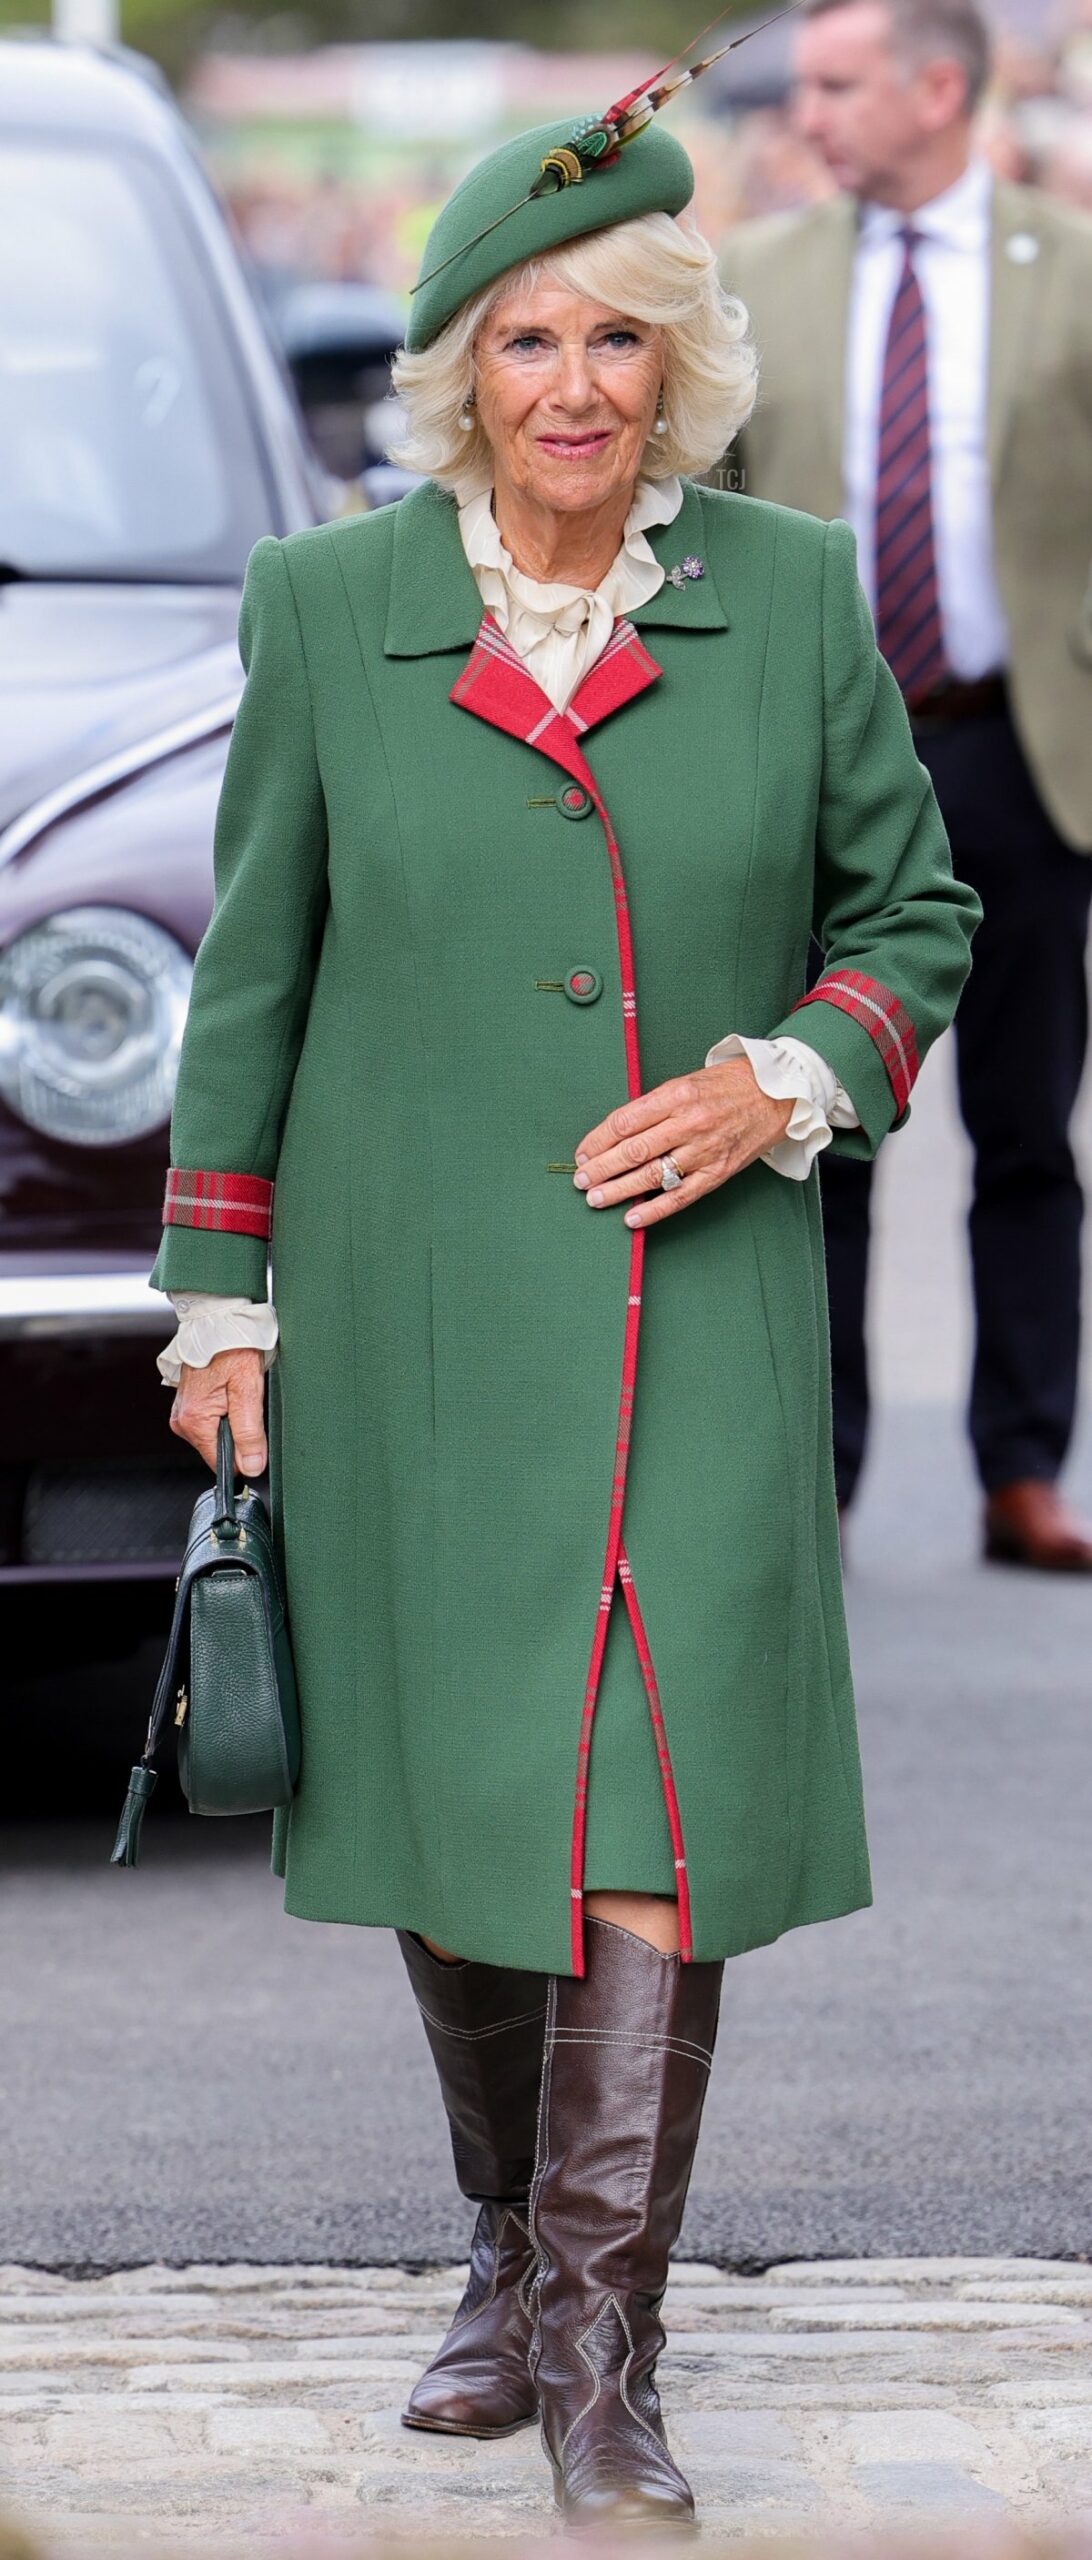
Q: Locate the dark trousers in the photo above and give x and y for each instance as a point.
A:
(1021, 1034)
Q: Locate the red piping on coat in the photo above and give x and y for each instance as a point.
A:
(496, 686)
(667, 1774)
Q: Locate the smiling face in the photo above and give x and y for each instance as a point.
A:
(567, 392)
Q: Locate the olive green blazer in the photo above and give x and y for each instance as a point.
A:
(408, 1008)
(793, 272)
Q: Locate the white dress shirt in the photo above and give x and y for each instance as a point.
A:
(952, 264)
(559, 632)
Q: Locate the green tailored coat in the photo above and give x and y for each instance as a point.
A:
(443, 927)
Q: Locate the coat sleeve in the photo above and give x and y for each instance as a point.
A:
(256, 965)
(894, 926)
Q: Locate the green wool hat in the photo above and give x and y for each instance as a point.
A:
(651, 174)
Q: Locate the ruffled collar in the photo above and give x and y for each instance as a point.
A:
(560, 630)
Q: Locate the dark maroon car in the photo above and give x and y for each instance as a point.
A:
(148, 436)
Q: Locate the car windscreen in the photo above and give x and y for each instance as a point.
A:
(127, 447)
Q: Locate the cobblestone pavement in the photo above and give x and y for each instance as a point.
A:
(248, 2403)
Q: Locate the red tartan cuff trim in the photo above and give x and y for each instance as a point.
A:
(234, 1204)
(879, 1013)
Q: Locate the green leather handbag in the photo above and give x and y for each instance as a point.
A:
(228, 1679)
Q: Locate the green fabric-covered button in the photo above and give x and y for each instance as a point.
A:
(574, 802)
(582, 986)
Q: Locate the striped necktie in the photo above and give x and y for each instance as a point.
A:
(908, 625)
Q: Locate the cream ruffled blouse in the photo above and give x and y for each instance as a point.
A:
(559, 632)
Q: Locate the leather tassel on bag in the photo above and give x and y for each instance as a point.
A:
(126, 1849)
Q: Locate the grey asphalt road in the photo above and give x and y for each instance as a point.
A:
(187, 2075)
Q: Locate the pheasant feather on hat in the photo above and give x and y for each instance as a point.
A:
(557, 183)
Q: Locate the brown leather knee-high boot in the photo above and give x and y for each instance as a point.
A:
(485, 2027)
(628, 2052)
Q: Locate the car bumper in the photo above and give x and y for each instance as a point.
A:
(92, 1484)
(37, 1306)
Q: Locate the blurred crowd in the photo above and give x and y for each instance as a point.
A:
(1036, 127)
(294, 225)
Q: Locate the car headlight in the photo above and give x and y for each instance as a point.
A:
(92, 1007)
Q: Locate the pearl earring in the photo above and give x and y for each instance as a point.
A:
(466, 415)
(660, 428)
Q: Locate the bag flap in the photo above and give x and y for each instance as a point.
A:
(214, 1544)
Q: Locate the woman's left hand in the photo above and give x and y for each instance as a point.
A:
(714, 1123)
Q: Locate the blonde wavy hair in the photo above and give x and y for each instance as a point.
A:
(656, 270)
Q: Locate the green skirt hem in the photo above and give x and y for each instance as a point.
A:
(484, 1944)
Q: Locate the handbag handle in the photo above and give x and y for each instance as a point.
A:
(224, 1517)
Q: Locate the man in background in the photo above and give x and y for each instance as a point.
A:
(926, 371)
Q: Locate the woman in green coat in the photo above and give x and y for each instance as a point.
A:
(539, 784)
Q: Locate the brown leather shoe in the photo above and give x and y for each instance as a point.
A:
(485, 2026)
(628, 2051)
(1028, 1523)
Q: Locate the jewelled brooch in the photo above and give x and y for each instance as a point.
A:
(691, 567)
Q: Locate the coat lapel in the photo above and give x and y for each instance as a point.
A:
(434, 607)
(821, 328)
(799, 306)
(694, 604)
(496, 687)
(1019, 252)
(622, 670)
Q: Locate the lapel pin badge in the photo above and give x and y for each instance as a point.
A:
(1022, 247)
(691, 567)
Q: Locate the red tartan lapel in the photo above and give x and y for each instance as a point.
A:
(495, 685)
(624, 670)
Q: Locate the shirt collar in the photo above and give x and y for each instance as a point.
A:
(960, 217)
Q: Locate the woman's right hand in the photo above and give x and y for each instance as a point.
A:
(233, 1383)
